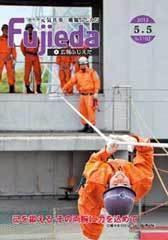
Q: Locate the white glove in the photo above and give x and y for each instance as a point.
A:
(111, 147)
(125, 138)
(116, 137)
(95, 96)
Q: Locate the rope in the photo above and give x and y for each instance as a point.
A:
(163, 147)
(85, 119)
(154, 208)
(161, 170)
(155, 168)
(160, 154)
(142, 144)
(158, 144)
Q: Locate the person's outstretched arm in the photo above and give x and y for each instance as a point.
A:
(140, 171)
(70, 84)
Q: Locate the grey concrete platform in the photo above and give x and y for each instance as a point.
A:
(31, 112)
(51, 141)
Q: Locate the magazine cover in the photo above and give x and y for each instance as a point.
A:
(83, 138)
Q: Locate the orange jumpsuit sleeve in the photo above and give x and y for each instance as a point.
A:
(73, 59)
(58, 60)
(102, 155)
(96, 81)
(94, 162)
(140, 172)
(14, 54)
(70, 83)
(23, 49)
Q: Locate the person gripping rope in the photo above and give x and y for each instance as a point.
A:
(114, 184)
(88, 84)
(31, 61)
(7, 58)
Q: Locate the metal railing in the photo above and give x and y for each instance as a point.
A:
(121, 107)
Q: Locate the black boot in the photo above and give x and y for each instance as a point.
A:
(38, 89)
(28, 89)
(11, 89)
(85, 128)
(90, 130)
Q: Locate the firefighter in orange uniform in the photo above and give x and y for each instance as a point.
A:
(104, 178)
(31, 61)
(7, 58)
(64, 73)
(88, 84)
(65, 64)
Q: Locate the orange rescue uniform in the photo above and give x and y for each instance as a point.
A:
(75, 63)
(98, 173)
(7, 55)
(31, 60)
(64, 63)
(87, 84)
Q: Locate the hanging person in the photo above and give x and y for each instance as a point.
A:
(114, 184)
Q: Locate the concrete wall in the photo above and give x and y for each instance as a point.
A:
(38, 172)
(142, 66)
(20, 112)
(157, 193)
(26, 173)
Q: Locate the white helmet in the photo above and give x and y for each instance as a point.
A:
(83, 60)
